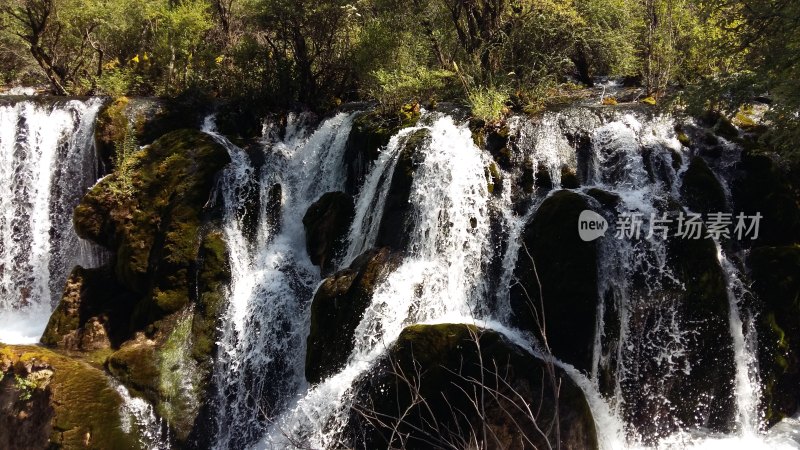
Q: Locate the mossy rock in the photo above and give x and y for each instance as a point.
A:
(461, 385)
(701, 190)
(327, 222)
(567, 271)
(57, 402)
(370, 132)
(94, 312)
(337, 309)
(162, 370)
(395, 226)
(150, 214)
(775, 272)
(498, 146)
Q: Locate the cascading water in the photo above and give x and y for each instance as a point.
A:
(439, 280)
(447, 276)
(263, 345)
(47, 162)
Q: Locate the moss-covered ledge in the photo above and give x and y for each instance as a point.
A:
(50, 400)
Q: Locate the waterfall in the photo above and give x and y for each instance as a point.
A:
(457, 266)
(262, 349)
(439, 280)
(47, 162)
(136, 414)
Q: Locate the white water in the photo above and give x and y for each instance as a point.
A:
(443, 276)
(47, 162)
(262, 351)
(139, 415)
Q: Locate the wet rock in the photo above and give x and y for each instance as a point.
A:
(337, 309)
(608, 200)
(566, 268)
(775, 272)
(370, 132)
(327, 223)
(569, 180)
(449, 390)
(395, 225)
(701, 190)
(48, 400)
(162, 370)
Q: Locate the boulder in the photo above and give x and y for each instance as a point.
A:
(48, 400)
(149, 214)
(337, 309)
(567, 272)
(455, 385)
(327, 223)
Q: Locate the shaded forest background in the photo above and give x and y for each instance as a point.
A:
(496, 56)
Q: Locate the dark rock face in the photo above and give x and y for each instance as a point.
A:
(567, 271)
(762, 187)
(93, 313)
(395, 225)
(369, 133)
(337, 309)
(52, 401)
(704, 395)
(775, 272)
(430, 379)
(701, 190)
(327, 222)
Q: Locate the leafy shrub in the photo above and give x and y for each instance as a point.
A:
(488, 104)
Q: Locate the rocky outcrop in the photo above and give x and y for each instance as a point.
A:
(337, 309)
(149, 214)
(52, 401)
(327, 222)
(169, 263)
(775, 272)
(444, 386)
(554, 258)
(395, 227)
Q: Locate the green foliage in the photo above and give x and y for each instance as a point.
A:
(393, 88)
(488, 104)
(25, 387)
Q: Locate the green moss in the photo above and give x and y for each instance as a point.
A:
(155, 231)
(83, 406)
